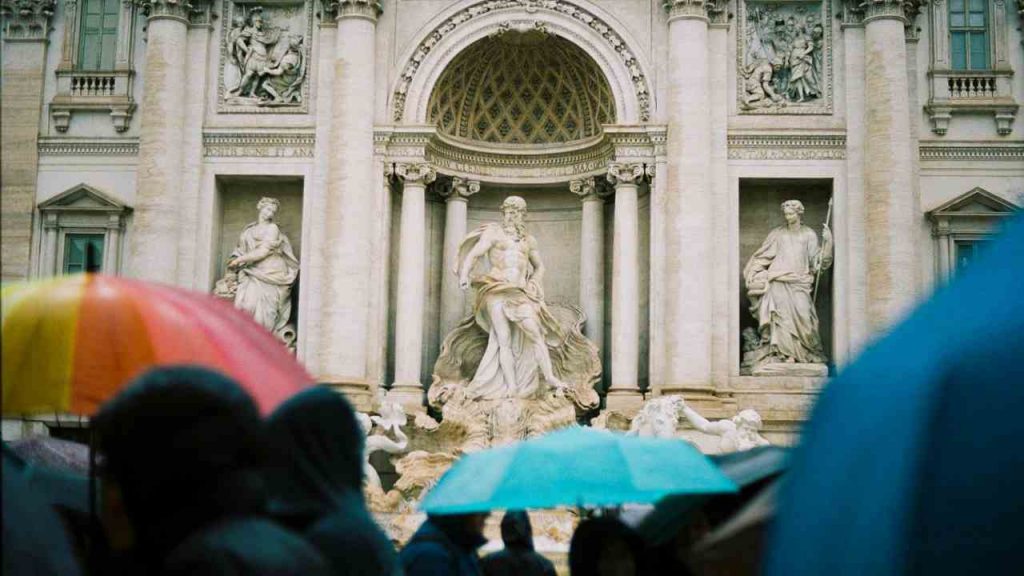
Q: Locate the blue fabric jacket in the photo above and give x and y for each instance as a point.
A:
(440, 549)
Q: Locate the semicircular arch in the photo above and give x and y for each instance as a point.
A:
(581, 23)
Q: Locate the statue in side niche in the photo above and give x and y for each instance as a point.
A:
(781, 278)
(261, 272)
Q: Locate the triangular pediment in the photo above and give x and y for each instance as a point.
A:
(977, 202)
(84, 198)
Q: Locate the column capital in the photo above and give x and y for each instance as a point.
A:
(903, 10)
(342, 9)
(590, 188)
(27, 20)
(460, 189)
(626, 173)
(708, 10)
(173, 9)
(415, 172)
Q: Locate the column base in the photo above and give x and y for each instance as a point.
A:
(625, 402)
(359, 393)
(410, 396)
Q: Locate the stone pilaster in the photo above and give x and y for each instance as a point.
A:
(343, 354)
(26, 24)
(408, 389)
(624, 393)
(686, 295)
(891, 224)
(592, 258)
(153, 248)
(452, 297)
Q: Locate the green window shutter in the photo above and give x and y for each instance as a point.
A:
(98, 38)
(83, 253)
(958, 50)
(979, 51)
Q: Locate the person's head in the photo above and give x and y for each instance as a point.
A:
(318, 453)
(180, 447)
(238, 21)
(604, 547)
(793, 211)
(748, 419)
(256, 17)
(464, 529)
(267, 208)
(516, 531)
(513, 209)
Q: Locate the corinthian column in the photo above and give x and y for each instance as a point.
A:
(686, 300)
(624, 394)
(343, 355)
(153, 248)
(26, 25)
(891, 224)
(407, 389)
(452, 297)
(591, 259)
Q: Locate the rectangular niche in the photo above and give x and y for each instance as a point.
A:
(237, 201)
(784, 57)
(760, 211)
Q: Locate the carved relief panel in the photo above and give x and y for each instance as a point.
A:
(265, 57)
(784, 57)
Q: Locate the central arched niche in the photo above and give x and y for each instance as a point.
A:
(522, 89)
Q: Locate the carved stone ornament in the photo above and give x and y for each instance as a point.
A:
(626, 173)
(436, 37)
(265, 58)
(27, 19)
(784, 57)
(337, 9)
(415, 173)
(180, 9)
(460, 189)
(714, 11)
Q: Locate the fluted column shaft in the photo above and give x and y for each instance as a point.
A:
(891, 229)
(591, 259)
(408, 389)
(452, 297)
(624, 393)
(153, 250)
(686, 300)
(345, 312)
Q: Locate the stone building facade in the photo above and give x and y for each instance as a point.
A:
(653, 141)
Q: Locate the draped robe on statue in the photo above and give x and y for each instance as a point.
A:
(518, 301)
(780, 278)
(265, 284)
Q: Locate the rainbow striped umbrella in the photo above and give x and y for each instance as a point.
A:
(71, 343)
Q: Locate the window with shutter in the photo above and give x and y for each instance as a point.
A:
(968, 34)
(83, 253)
(98, 37)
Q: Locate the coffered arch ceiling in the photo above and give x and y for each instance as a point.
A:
(522, 89)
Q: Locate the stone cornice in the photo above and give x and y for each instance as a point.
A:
(787, 146)
(88, 147)
(341, 9)
(967, 151)
(27, 20)
(713, 11)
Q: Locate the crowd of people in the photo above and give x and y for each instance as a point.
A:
(192, 480)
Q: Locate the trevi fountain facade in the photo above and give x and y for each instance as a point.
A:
(485, 219)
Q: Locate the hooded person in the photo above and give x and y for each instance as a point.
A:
(445, 545)
(518, 558)
(317, 479)
(605, 546)
(182, 453)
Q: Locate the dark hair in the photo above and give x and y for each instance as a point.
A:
(594, 535)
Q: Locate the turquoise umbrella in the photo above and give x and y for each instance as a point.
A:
(575, 467)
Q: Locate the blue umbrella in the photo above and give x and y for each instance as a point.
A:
(574, 467)
(911, 462)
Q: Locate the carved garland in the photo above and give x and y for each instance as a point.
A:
(259, 145)
(787, 147)
(434, 38)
